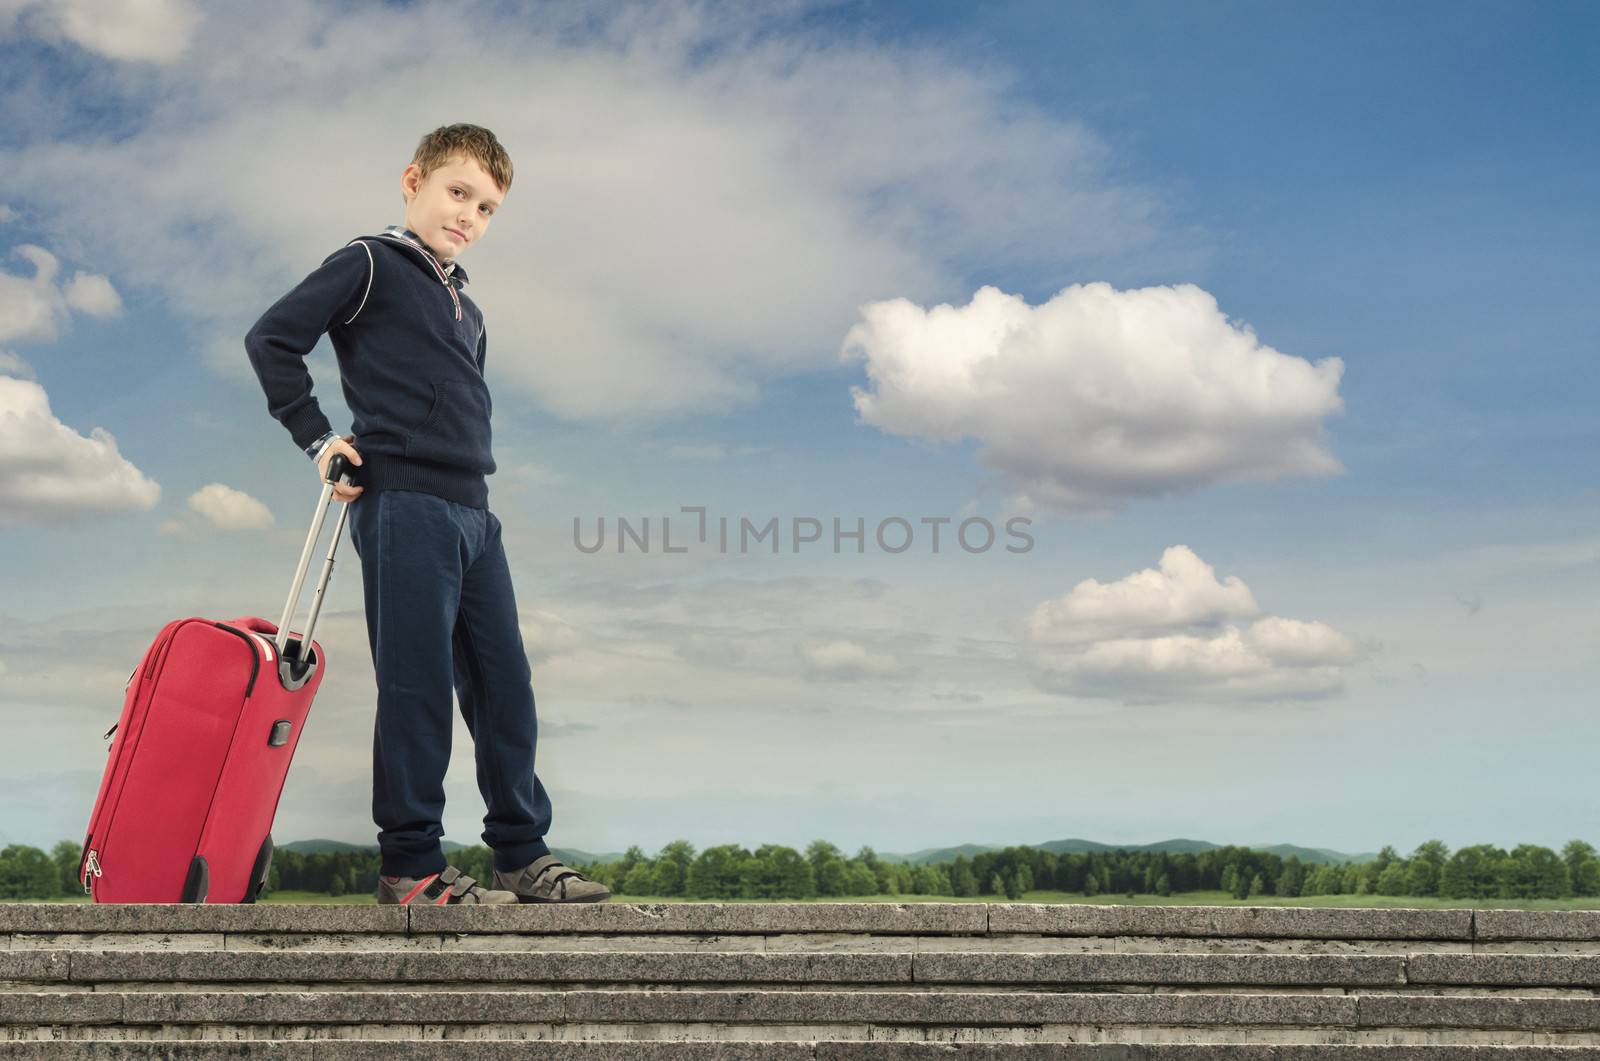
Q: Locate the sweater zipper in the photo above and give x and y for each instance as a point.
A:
(438, 271)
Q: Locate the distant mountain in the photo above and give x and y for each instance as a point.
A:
(1319, 855)
(939, 854)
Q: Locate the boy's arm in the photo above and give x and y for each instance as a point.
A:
(278, 343)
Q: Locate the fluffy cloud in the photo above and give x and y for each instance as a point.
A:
(545, 635)
(12, 364)
(35, 307)
(155, 31)
(230, 509)
(50, 474)
(1184, 591)
(1178, 633)
(720, 185)
(1098, 395)
(846, 661)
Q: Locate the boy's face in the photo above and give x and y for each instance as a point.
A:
(451, 209)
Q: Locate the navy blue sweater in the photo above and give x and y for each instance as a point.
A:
(411, 350)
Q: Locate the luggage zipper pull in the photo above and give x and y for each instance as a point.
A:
(91, 867)
(113, 729)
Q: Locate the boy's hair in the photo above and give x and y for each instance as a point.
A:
(473, 141)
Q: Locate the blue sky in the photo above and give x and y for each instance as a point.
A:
(708, 201)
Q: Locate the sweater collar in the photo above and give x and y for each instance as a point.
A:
(450, 266)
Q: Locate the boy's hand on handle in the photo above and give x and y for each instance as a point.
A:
(341, 492)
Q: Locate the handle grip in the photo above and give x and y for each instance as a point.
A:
(338, 470)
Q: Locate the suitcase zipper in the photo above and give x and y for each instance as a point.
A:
(91, 866)
(152, 667)
(106, 736)
(250, 638)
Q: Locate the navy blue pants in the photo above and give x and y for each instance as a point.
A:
(441, 615)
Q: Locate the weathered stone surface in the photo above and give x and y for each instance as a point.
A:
(282, 941)
(589, 941)
(875, 1051)
(960, 1008)
(190, 917)
(59, 1007)
(1304, 922)
(1478, 1011)
(1509, 970)
(588, 1051)
(1537, 924)
(816, 981)
(882, 918)
(681, 1007)
(1254, 969)
(760, 1050)
(38, 966)
(343, 1007)
(117, 941)
(403, 966)
(156, 1051)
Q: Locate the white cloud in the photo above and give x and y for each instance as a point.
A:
(519, 478)
(140, 30)
(13, 364)
(230, 509)
(51, 474)
(546, 635)
(34, 307)
(842, 660)
(1177, 634)
(1184, 591)
(1098, 395)
(700, 202)
(6, 213)
(92, 294)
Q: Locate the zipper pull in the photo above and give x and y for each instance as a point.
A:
(130, 677)
(113, 729)
(91, 867)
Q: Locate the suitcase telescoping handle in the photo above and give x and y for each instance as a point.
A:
(295, 669)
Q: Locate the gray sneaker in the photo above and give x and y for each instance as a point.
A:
(448, 887)
(547, 880)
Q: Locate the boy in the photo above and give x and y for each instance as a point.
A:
(437, 588)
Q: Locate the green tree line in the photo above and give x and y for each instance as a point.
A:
(822, 871)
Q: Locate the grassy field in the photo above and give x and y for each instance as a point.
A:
(1218, 898)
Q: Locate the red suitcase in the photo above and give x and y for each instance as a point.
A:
(210, 720)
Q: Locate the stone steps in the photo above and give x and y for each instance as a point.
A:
(821, 981)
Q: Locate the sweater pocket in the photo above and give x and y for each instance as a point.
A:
(456, 430)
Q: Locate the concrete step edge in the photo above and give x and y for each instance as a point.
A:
(1350, 923)
(1335, 970)
(816, 1050)
(956, 1008)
